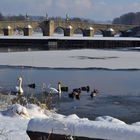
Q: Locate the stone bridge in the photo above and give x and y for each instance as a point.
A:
(88, 29)
(48, 27)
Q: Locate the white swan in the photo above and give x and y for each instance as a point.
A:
(54, 90)
(59, 89)
(19, 87)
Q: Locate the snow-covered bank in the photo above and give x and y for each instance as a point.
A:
(105, 128)
(14, 121)
(85, 58)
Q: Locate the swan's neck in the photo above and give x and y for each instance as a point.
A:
(20, 90)
(59, 88)
(20, 83)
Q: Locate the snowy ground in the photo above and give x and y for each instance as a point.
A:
(14, 121)
(85, 58)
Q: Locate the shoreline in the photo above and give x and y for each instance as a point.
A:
(63, 68)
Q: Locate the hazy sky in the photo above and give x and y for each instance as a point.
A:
(92, 9)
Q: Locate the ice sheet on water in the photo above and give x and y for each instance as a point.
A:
(70, 59)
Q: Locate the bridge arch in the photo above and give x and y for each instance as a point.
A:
(78, 32)
(18, 30)
(59, 31)
(37, 31)
(98, 33)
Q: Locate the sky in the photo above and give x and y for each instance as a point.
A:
(98, 10)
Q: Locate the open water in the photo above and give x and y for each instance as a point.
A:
(119, 90)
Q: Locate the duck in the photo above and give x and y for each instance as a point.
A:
(85, 88)
(94, 93)
(75, 94)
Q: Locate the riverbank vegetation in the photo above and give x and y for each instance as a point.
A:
(128, 18)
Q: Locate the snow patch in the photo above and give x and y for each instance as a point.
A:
(109, 119)
(16, 110)
(35, 111)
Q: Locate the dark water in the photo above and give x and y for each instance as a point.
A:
(119, 90)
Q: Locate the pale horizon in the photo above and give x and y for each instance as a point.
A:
(98, 10)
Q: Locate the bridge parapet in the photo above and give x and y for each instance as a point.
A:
(18, 24)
